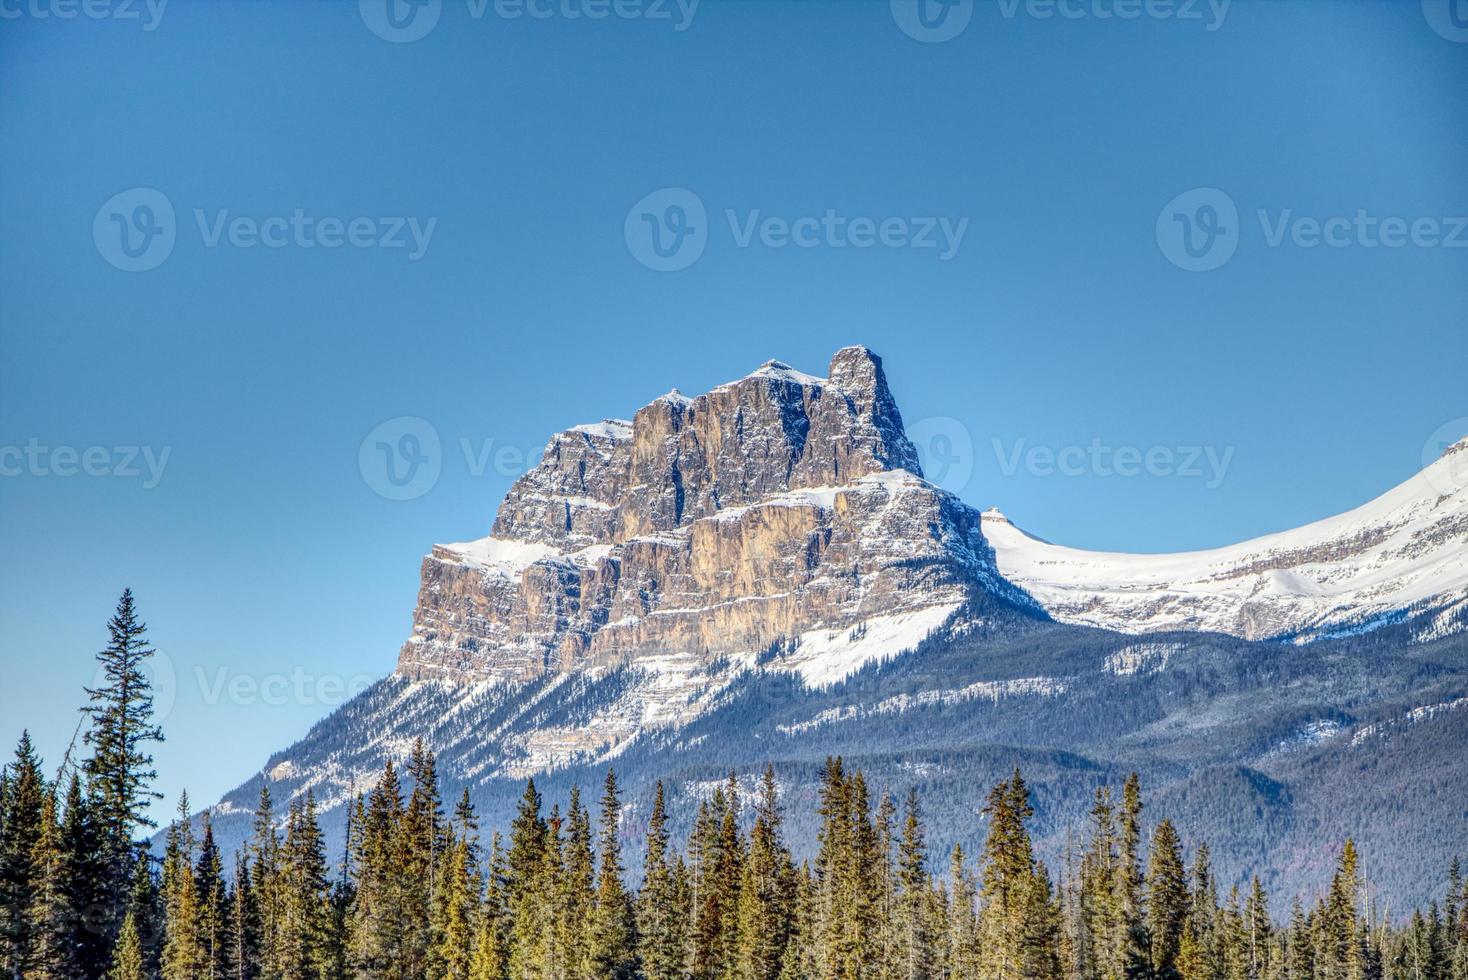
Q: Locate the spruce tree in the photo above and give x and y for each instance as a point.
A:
(21, 829)
(1167, 908)
(915, 943)
(183, 948)
(613, 933)
(213, 904)
(765, 909)
(120, 772)
(127, 961)
(660, 946)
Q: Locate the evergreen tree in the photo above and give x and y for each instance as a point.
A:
(1167, 908)
(127, 961)
(48, 915)
(765, 894)
(660, 941)
(120, 771)
(915, 944)
(183, 947)
(243, 924)
(22, 824)
(213, 905)
(613, 934)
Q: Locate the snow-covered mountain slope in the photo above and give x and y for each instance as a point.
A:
(1405, 552)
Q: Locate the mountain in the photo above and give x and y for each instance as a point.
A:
(1400, 554)
(761, 573)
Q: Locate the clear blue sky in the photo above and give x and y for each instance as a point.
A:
(1059, 320)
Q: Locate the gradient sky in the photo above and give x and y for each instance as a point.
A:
(263, 553)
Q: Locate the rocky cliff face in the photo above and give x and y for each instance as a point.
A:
(718, 526)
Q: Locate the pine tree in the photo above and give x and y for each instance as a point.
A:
(243, 924)
(576, 897)
(1132, 955)
(49, 916)
(422, 839)
(183, 948)
(127, 961)
(21, 829)
(915, 949)
(120, 771)
(613, 934)
(660, 943)
(378, 920)
(765, 894)
(523, 867)
(1167, 908)
(303, 926)
(213, 904)
(963, 927)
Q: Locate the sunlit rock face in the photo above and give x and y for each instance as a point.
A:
(714, 526)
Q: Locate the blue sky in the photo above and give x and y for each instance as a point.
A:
(1058, 152)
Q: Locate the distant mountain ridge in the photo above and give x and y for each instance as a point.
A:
(762, 573)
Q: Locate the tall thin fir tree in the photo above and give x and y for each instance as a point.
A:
(660, 948)
(914, 951)
(120, 771)
(613, 932)
(766, 899)
(1167, 908)
(22, 806)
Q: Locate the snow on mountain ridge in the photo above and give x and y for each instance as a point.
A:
(1405, 551)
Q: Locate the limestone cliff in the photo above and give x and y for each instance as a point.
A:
(715, 526)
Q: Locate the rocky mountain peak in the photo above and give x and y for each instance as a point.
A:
(716, 524)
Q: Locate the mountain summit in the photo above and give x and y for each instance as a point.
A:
(769, 510)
